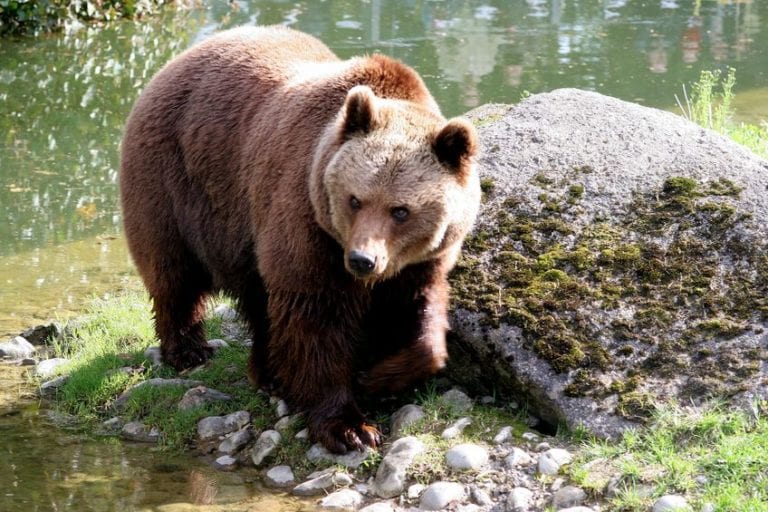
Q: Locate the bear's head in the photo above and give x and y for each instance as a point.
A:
(395, 184)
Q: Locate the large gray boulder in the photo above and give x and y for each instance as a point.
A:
(619, 259)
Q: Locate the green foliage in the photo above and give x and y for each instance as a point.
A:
(107, 352)
(709, 105)
(20, 17)
(680, 445)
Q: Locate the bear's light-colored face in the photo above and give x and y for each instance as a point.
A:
(401, 188)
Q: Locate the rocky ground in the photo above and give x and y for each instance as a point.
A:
(426, 463)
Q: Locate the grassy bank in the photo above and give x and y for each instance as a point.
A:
(711, 455)
(106, 350)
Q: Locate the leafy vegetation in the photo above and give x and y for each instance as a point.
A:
(19, 17)
(712, 455)
(709, 105)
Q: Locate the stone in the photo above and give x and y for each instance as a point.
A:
(480, 496)
(302, 434)
(579, 509)
(405, 416)
(343, 499)
(140, 433)
(225, 312)
(552, 460)
(157, 382)
(415, 490)
(351, 459)
(282, 408)
(17, 348)
(112, 425)
(439, 495)
(213, 427)
(708, 507)
(381, 506)
(542, 447)
(217, 343)
(531, 437)
(320, 481)
(517, 457)
(265, 445)
(565, 169)
(392, 472)
(42, 334)
(201, 395)
(287, 422)
(28, 361)
(153, 355)
(504, 435)
(279, 476)
(236, 441)
(51, 387)
(568, 496)
(466, 456)
(519, 499)
(225, 463)
(456, 428)
(671, 503)
(457, 400)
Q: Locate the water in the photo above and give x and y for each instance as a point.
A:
(47, 466)
(64, 98)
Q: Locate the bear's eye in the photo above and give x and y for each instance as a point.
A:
(400, 213)
(354, 203)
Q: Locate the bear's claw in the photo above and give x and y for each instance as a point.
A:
(339, 437)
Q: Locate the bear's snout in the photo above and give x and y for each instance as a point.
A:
(361, 263)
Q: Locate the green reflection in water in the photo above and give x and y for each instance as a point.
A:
(64, 99)
(46, 467)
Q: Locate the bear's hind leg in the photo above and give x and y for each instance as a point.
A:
(252, 304)
(178, 302)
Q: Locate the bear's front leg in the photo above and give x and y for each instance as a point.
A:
(311, 357)
(407, 326)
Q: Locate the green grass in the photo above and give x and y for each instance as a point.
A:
(727, 447)
(709, 104)
(106, 348)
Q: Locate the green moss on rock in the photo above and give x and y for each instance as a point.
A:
(536, 269)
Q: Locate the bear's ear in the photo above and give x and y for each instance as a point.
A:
(455, 144)
(359, 112)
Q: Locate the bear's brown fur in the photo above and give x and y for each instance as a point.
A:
(329, 197)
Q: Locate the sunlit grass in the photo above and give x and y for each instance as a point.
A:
(711, 455)
(709, 104)
(106, 349)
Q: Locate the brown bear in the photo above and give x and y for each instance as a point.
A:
(329, 197)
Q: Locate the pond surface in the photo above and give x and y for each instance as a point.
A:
(46, 466)
(64, 98)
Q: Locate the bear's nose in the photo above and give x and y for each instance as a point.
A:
(360, 262)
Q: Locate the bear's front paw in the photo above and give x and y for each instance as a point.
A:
(339, 436)
(188, 356)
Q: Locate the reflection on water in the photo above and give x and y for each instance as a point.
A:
(44, 467)
(63, 99)
(54, 282)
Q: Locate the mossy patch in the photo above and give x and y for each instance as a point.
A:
(676, 259)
